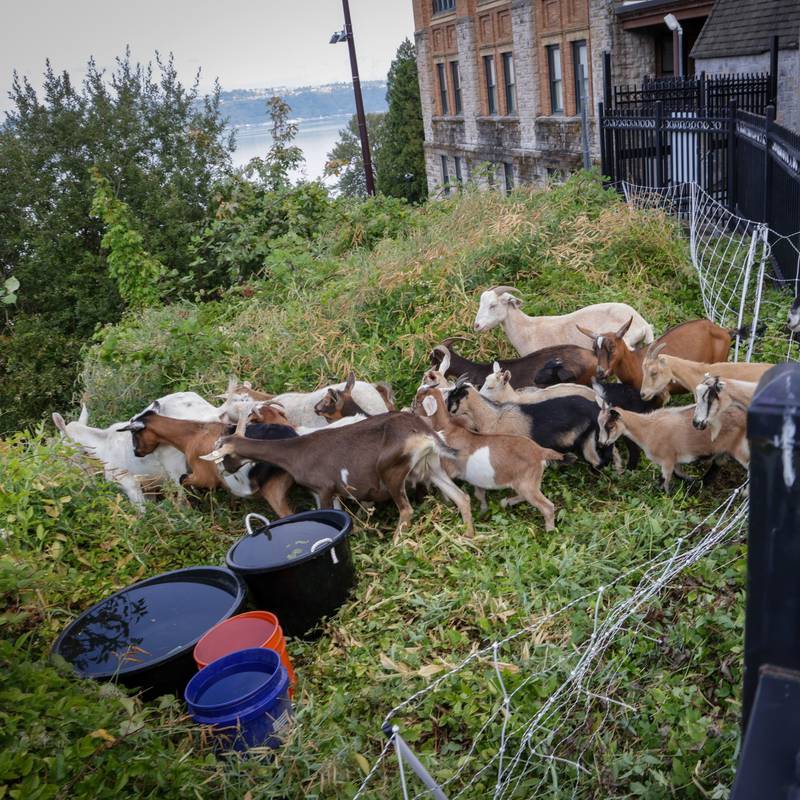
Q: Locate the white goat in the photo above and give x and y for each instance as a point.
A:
(114, 449)
(299, 406)
(497, 387)
(498, 306)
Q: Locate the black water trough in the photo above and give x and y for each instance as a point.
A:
(299, 567)
(143, 636)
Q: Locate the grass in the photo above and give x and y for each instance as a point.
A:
(422, 603)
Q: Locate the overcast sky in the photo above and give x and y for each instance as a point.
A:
(246, 43)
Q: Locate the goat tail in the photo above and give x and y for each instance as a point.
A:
(426, 456)
(745, 330)
(554, 457)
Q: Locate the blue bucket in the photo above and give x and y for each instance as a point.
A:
(245, 696)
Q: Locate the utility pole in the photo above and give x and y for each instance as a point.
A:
(347, 35)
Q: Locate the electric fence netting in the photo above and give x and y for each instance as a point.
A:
(547, 693)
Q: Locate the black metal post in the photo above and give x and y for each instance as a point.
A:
(731, 187)
(362, 120)
(767, 206)
(772, 621)
(659, 148)
(602, 133)
(607, 80)
(772, 100)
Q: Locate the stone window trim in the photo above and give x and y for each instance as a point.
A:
(442, 88)
(499, 119)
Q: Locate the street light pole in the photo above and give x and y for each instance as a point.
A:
(362, 119)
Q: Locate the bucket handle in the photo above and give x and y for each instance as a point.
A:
(321, 543)
(262, 519)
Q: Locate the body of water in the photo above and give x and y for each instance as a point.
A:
(316, 138)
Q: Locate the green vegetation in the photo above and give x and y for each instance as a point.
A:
(345, 160)
(160, 146)
(373, 286)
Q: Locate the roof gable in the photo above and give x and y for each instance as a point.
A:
(744, 27)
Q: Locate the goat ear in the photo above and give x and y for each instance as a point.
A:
(585, 332)
(495, 367)
(84, 417)
(156, 407)
(624, 329)
(350, 382)
(462, 381)
(613, 413)
(135, 425)
(505, 376)
(444, 365)
(58, 421)
(510, 300)
(429, 404)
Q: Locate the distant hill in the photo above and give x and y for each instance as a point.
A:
(248, 106)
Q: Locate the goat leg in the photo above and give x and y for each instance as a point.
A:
(634, 454)
(446, 486)
(276, 490)
(480, 494)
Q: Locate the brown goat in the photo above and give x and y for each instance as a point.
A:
(194, 439)
(369, 461)
(697, 340)
(339, 403)
(490, 461)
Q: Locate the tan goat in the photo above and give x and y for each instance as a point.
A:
(490, 461)
(660, 370)
(713, 396)
(668, 437)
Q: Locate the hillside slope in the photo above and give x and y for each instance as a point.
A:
(423, 602)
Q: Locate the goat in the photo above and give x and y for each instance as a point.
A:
(580, 362)
(299, 406)
(114, 448)
(367, 461)
(565, 424)
(337, 404)
(498, 306)
(668, 437)
(491, 461)
(793, 318)
(497, 387)
(188, 405)
(713, 396)
(696, 340)
(150, 429)
(660, 371)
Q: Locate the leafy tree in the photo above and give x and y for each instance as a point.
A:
(162, 148)
(401, 159)
(345, 160)
(283, 156)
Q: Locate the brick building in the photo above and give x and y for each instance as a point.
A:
(502, 81)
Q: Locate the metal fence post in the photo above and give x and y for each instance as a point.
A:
(602, 135)
(607, 79)
(772, 621)
(731, 167)
(659, 147)
(772, 100)
(767, 207)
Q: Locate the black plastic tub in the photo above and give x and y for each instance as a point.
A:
(144, 635)
(299, 567)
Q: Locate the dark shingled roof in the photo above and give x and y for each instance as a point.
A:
(744, 27)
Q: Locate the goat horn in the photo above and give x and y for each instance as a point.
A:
(498, 290)
(218, 454)
(462, 379)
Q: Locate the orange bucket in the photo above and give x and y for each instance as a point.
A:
(251, 629)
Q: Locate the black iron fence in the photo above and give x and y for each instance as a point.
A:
(744, 160)
(751, 92)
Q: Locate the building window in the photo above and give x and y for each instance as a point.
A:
(459, 174)
(445, 175)
(580, 66)
(445, 106)
(508, 174)
(456, 76)
(554, 73)
(510, 81)
(443, 5)
(491, 84)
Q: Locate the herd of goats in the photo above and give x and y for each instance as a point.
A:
(494, 426)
